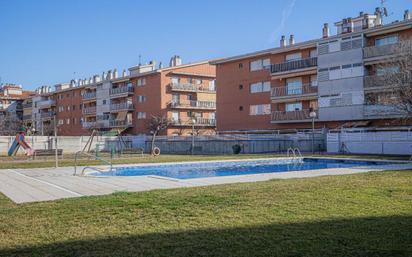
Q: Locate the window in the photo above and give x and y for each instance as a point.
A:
(129, 84)
(240, 87)
(74, 107)
(293, 57)
(60, 122)
(260, 87)
(190, 80)
(141, 98)
(141, 115)
(314, 80)
(290, 107)
(141, 82)
(61, 109)
(260, 109)
(380, 71)
(334, 46)
(259, 64)
(387, 40)
(104, 102)
(175, 116)
(68, 108)
(294, 86)
(68, 121)
(175, 80)
(212, 85)
(313, 53)
(240, 108)
(240, 65)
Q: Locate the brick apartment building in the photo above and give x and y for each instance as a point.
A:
(11, 99)
(338, 77)
(185, 93)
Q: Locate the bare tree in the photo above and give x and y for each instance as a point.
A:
(10, 125)
(156, 125)
(398, 75)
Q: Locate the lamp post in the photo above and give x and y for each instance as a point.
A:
(313, 115)
(33, 130)
(193, 135)
(55, 141)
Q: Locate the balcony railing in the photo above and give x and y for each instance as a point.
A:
(294, 65)
(89, 124)
(120, 123)
(45, 104)
(191, 88)
(121, 106)
(121, 90)
(89, 95)
(292, 115)
(27, 117)
(199, 122)
(193, 104)
(377, 51)
(46, 115)
(89, 110)
(305, 89)
(388, 80)
(382, 111)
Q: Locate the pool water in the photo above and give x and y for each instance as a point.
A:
(233, 168)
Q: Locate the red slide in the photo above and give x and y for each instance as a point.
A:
(26, 147)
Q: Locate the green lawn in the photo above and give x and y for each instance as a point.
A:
(352, 215)
(21, 163)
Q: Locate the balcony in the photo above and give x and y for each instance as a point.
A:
(89, 124)
(121, 91)
(190, 104)
(294, 65)
(384, 81)
(89, 96)
(27, 117)
(122, 107)
(46, 104)
(378, 111)
(380, 51)
(200, 122)
(191, 88)
(47, 115)
(292, 116)
(89, 110)
(294, 91)
(120, 123)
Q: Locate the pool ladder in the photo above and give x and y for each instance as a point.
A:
(89, 167)
(295, 154)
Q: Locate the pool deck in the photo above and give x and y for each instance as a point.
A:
(47, 184)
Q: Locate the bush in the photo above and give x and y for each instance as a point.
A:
(236, 149)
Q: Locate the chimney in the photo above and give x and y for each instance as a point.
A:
(115, 74)
(325, 30)
(361, 14)
(175, 61)
(407, 15)
(378, 14)
(283, 41)
(292, 40)
(124, 74)
(104, 75)
(160, 65)
(109, 74)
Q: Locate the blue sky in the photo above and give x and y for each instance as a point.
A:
(48, 42)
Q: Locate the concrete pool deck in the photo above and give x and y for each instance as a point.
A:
(46, 184)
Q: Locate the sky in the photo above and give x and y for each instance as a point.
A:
(45, 42)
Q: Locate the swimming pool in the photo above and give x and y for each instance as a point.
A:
(233, 168)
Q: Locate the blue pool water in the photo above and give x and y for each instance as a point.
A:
(213, 169)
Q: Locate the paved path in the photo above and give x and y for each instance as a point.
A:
(33, 185)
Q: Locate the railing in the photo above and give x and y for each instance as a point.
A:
(377, 51)
(292, 115)
(121, 90)
(89, 124)
(121, 106)
(89, 167)
(45, 104)
(191, 88)
(120, 123)
(294, 65)
(384, 80)
(89, 110)
(293, 90)
(46, 115)
(194, 104)
(27, 105)
(198, 122)
(90, 95)
(27, 117)
(382, 111)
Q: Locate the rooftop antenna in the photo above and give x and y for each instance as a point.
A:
(384, 10)
(140, 59)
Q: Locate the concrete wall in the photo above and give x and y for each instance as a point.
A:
(382, 142)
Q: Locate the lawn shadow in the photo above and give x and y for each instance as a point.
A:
(385, 236)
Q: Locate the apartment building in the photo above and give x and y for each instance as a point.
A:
(335, 80)
(11, 99)
(185, 93)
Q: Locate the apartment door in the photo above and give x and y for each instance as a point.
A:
(175, 116)
(294, 86)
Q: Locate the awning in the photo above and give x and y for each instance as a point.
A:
(121, 115)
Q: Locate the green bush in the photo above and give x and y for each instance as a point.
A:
(236, 149)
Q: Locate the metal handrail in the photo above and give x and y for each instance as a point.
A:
(88, 167)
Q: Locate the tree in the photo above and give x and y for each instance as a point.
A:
(157, 124)
(398, 74)
(10, 125)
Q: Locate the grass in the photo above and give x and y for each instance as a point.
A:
(21, 163)
(353, 215)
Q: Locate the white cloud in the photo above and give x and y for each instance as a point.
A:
(286, 12)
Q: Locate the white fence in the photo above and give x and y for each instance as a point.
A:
(391, 142)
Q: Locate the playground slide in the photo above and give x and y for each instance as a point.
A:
(27, 149)
(14, 147)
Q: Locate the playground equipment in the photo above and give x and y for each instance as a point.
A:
(19, 141)
(95, 136)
